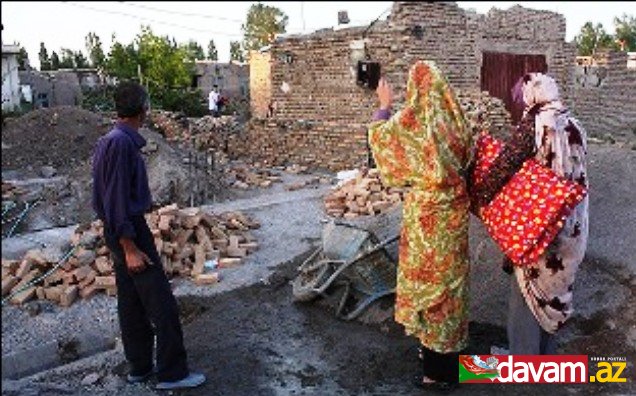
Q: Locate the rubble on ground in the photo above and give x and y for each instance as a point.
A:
(191, 244)
(204, 133)
(485, 112)
(361, 196)
(244, 176)
(170, 125)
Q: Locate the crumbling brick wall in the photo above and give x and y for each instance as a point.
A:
(603, 97)
(260, 83)
(321, 116)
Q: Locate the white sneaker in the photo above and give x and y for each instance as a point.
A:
(191, 381)
(134, 379)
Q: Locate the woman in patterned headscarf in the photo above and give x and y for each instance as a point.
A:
(427, 146)
(541, 293)
(541, 299)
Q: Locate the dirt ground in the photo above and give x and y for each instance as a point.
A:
(251, 338)
(64, 138)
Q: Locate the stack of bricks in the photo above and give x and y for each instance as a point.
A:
(186, 240)
(363, 195)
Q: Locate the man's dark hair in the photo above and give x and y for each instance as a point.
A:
(131, 99)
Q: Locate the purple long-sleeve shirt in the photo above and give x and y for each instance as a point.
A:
(382, 114)
(120, 181)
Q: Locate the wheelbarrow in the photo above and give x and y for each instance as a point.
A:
(349, 257)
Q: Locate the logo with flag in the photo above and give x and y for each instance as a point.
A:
(527, 369)
(472, 367)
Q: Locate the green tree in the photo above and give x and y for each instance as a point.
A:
(261, 26)
(94, 50)
(166, 69)
(43, 56)
(162, 61)
(122, 61)
(67, 61)
(79, 60)
(55, 61)
(593, 38)
(23, 59)
(626, 31)
(236, 53)
(213, 54)
(194, 51)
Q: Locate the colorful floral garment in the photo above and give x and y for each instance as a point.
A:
(428, 146)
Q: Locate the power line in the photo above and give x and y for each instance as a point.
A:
(154, 20)
(182, 13)
(376, 19)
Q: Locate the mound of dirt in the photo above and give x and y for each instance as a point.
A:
(62, 137)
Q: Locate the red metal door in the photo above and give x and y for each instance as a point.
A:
(500, 71)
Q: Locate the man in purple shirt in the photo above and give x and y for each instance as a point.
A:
(145, 304)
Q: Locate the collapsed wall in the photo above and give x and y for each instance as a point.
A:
(318, 116)
(603, 97)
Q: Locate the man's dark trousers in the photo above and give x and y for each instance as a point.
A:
(146, 306)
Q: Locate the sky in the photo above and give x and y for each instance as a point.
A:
(66, 24)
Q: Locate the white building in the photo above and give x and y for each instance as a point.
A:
(631, 60)
(10, 79)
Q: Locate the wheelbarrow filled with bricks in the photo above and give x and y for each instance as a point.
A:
(352, 260)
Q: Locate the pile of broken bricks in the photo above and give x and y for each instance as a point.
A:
(364, 195)
(10, 191)
(190, 242)
(244, 177)
(485, 112)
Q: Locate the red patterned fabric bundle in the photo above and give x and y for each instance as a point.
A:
(528, 213)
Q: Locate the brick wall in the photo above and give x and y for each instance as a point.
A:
(260, 83)
(321, 118)
(525, 31)
(603, 97)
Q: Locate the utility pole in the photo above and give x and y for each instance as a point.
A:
(302, 14)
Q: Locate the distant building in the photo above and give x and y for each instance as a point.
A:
(10, 78)
(40, 87)
(631, 60)
(58, 87)
(232, 79)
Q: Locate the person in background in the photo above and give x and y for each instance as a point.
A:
(428, 146)
(222, 102)
(146, 306)
(213, 101)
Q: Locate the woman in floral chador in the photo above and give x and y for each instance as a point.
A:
(427, 146)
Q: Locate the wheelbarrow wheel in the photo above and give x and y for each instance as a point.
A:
(304, 287)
